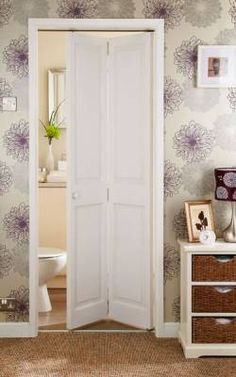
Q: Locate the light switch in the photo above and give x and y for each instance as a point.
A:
(8, 103)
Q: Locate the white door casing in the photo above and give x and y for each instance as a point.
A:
(87, 277)
(157, 27)
(130, 179)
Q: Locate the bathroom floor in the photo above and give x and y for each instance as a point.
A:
(56, 319)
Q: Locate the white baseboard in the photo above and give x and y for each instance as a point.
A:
(171, 329)
(16, 330)
(22, 330)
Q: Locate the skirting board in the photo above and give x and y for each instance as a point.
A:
(171, 329)
(16, 330)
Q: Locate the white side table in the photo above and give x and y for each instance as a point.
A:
(208, 299)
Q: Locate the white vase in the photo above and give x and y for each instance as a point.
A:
(50, 159)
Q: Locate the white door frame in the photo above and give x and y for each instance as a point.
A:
(157, 27)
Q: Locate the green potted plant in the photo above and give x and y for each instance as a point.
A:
(52, 129)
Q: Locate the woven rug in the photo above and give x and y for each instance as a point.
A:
(106, 355)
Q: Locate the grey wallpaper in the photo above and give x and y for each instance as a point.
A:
(200, 124)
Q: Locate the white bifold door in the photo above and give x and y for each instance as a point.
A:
(109, 189)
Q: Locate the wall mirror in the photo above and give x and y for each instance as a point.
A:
(56, 93)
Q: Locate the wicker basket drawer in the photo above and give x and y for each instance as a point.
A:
(213, 330)
(217, 299)
(214, 268)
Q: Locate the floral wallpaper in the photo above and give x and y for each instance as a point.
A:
(200, 124)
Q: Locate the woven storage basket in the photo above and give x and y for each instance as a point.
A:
(213, 299)
(214, 268)
(209, 330)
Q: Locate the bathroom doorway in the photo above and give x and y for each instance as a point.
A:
(52, 227)
(73, 194)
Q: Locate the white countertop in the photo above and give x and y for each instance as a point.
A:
(52, 185)
(220, 245)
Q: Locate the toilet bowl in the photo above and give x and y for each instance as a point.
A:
(51, 262)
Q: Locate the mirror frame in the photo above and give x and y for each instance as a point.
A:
(54, 98)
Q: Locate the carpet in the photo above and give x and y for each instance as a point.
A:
(105, 355)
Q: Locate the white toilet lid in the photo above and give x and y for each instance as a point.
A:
(50, 252)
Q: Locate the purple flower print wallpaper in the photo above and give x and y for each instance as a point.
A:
(193, 142)
(5, 90)
(176, 309)
(172, 179)
(15, 56)
(77, 8)
(198, 178)
(202, 13)
(226, 37)
(171, 262)
(6, 179)
(6, 261)
(179, 224)
(225, 131)
(16, 141)
(5, 11)
(116, 8)
(34, 9)
(199, 99)
(200, 130)
(232, 98)
(173, 96)
(232, 11)
(16, 223)
(185, 56)
(171, 11)
(20, 259)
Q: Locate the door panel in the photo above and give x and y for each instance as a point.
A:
(87, 280)
(90, 60)
(88, 263)
(127, 116)
(109, 180)
(128, 261)
(130, 179)
(90, 290)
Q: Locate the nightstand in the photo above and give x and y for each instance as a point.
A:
(208, 299)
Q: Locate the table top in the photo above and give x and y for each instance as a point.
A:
(220, 245)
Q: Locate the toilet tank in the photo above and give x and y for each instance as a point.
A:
(52, 222)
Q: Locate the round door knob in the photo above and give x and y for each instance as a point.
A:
(75, 195)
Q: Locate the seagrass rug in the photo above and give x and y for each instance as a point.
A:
(106, 355)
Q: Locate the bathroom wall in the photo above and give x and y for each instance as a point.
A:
(200, 124)
(52, 54)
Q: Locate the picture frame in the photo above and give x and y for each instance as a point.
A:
(199, 216)
(216, 66)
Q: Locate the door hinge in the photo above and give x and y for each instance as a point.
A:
(108, 48)
(108, 194)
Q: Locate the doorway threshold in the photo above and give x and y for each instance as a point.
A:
(100, 326)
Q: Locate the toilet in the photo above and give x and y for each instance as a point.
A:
(51, 262)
